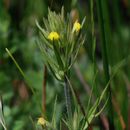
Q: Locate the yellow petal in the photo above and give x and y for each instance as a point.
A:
(77, 26)
(53, 36)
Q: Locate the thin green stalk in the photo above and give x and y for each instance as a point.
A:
(93, 35)
(93, 46)
(95, 71)
(24, 76)
(44, 89)
(117, 13)
(105, 59)
(2, 120)
(118, 22)
(21, 71)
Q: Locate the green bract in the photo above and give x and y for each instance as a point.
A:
(59, 55)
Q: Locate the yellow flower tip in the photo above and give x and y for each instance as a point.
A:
(77, 26)
(41, 121)
(53, 36)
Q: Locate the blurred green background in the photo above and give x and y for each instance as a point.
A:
(18, 33)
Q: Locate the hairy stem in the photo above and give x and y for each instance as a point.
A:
(67, 98)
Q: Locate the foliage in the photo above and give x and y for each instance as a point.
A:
(80, 68)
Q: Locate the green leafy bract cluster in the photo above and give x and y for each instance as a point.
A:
(59, 55)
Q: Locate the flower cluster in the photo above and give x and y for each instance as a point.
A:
(60, 42)
(41, 121)
(55, 36)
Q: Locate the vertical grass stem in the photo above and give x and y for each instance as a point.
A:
(105, 60)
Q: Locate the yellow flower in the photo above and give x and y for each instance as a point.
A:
(41, 121)
(77, 26)
(53, 36)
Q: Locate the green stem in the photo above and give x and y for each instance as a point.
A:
(67, 98)
(44, 90)
(94, 86)
(105, 59)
